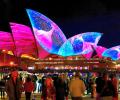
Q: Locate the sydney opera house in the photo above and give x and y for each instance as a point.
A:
(45, 44)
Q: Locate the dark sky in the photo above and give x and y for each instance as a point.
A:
(72, 16)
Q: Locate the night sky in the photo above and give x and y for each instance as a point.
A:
(72, 16)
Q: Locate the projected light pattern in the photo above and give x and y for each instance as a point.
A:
(80, 44)
(99, 50)
(6, 41)
(91, 37)
(24, 40)
(88, 55)
(77, 45)
(47, 33)
(113, 53)
(49, 39)
(66, 49)
(74, 46)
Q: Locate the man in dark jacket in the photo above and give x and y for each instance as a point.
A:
(13, 87)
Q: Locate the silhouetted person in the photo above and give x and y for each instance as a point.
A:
(107, 90)
(115, 84)
(13, 86)
(28, 87)
(2, 88)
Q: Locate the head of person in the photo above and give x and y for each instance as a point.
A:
(77, 75)
(14, 74)
(28, 79)
(105, 76)
(113, 75)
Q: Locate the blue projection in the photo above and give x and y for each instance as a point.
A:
(91, 37)
(66, 49)
(113, 53)
(47, 33)
(75, 46)
(50, 37)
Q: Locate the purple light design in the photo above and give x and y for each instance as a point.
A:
(6, 41)
(113, 53)
(46, 32)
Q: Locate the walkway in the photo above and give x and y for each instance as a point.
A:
(37, 97)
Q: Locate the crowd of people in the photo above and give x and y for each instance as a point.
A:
(60, 86)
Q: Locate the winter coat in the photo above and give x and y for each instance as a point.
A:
(13, 90)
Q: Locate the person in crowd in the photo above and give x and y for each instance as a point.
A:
(39, 85)
(61, 89)
(66, 80)
(77, 87)
(2, 88)
(13, 86)
(115, 84)
(34, 79)
(28, 88)
(93, 86)
(48, 89)
(99, 85)
(91, 83)
(21, 80)
(107, 90)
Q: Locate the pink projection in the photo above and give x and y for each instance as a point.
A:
(88, 55)
(25, 42)
(100, 50)
(6, 41)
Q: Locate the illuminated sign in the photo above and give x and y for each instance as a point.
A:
(80, 62)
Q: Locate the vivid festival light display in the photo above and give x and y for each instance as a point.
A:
(6, 41)
(25, 42)
(75, 46)
(47, 33)
(52, 39)
(49, 39)
(88, 55)
(113, 53)
(99, 50)
(91, 37)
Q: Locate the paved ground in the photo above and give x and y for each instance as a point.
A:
(37, 97)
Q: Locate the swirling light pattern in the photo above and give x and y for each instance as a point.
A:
(113, 53)
(47, 33)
